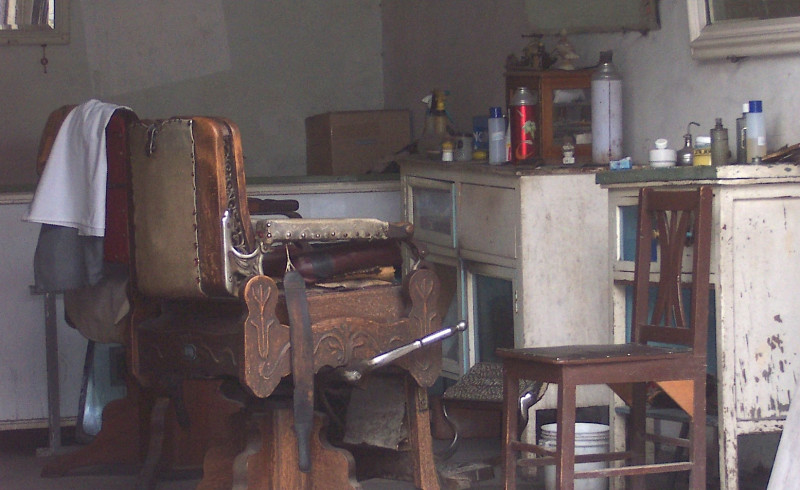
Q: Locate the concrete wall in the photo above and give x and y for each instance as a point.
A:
(462, 46)
(451, 45)
(266, 65)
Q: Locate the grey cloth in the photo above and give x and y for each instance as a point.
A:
(98, 311)
(65, 260)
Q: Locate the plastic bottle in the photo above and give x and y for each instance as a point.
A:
(497, 136)
(756, 133)
(447, 151)
(741, 135)
(720, 151)
(435, 131)
(522, 114)
(606, 111)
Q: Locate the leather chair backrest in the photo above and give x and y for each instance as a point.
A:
(186, 172)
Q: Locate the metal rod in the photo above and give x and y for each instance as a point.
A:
(53, 389)
(354, 373)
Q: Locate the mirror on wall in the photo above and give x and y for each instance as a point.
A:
(580, 16)
(34, 21)
(739, 28)
(722, 10)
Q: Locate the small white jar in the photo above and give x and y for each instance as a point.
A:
(662, 156)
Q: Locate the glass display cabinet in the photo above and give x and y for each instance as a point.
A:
(565, 109)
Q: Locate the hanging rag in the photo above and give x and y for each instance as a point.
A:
(69, 201)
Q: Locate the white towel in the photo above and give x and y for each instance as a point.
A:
(72, 189)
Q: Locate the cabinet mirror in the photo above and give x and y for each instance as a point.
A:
(738, 28)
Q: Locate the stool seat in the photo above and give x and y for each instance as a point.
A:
(593, 354)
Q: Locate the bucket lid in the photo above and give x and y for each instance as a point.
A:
(580, 428)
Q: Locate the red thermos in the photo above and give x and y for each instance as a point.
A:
(523, 112)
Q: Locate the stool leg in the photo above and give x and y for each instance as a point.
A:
(510, 430)
(565, 434)
(637, 431)
(697, 477)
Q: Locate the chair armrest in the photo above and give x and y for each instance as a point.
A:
(285, 207)
(272, 231)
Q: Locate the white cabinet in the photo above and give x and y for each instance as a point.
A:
(755, 271)
(23, 370)
(522, 253)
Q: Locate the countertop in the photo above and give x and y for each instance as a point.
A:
(769, 172)
(506, 168)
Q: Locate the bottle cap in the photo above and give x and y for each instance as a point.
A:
(745, 107)
(661, 143)
(755, 106)
(495, 112)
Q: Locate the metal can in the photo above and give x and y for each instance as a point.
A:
(523, 111)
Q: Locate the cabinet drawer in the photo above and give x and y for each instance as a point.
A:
(488, 218)
(432, 210)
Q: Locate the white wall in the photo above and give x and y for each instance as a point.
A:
(266, 65)
(664, 88)
(23, 371)
(453, 45)
(462, 46)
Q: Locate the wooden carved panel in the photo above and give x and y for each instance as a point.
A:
(347, 327)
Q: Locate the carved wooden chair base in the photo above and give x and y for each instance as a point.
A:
(269, 459)
(116, 445)
(262, 451)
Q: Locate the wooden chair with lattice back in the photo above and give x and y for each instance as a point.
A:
(668, 347)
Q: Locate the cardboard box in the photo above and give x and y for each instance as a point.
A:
(354, 142)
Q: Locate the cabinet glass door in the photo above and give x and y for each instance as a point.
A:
(432, 210)
(451, 309)
(491, 308)
(572, 117)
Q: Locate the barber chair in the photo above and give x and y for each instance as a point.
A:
(121, 445)
(203, 308)
(210, 316)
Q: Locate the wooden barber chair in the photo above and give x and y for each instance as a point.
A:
(122, 443)
(203, 307)
(668, 347)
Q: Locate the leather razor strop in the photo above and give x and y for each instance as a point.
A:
(302, 364)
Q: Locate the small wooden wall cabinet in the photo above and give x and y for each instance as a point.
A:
(565, 109)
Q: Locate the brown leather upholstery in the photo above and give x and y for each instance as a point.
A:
(49, 133)
(178, 230)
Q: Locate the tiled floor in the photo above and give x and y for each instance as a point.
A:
(20, 470)
(20, 467)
